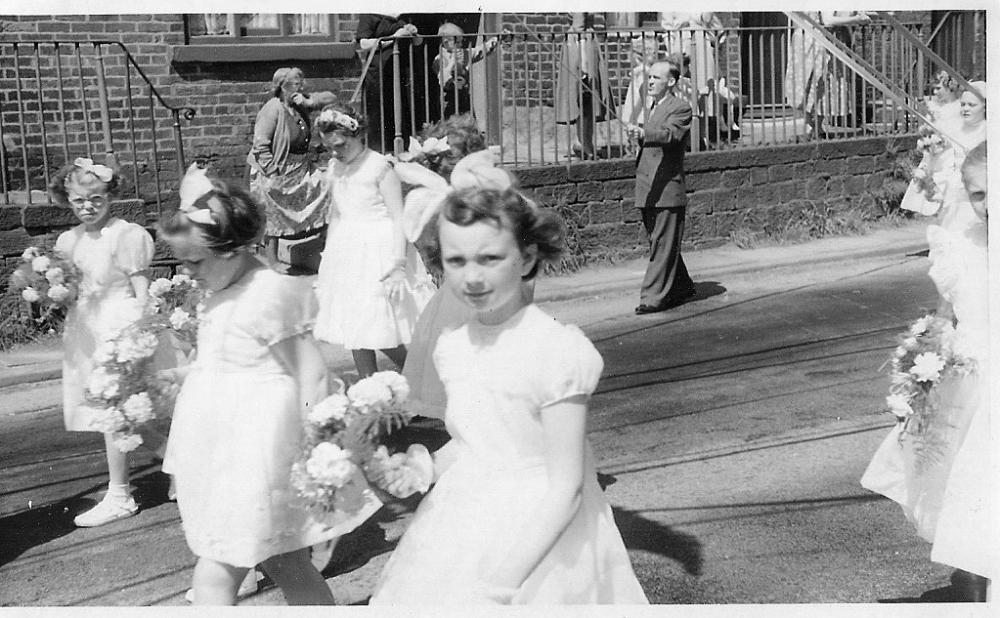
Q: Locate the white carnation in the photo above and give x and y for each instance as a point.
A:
(59, 293)
(40, 264)
(104, 353)
(160, 287)
(331, 465)
(394, 382)
(333, 408)
(139, 408)
(103, 384)
(30, 253)
(179, 279)
(55, 275)
(127, 442)
(927, 367)
(369, 393)
(31, 295)
(141, 346)
(920, 326)
(104, 420)
(180, 319)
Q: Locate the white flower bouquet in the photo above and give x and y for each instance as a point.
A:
(173, 306)
(925, 354)
(48, 281)
(343, 453)
(123, 391)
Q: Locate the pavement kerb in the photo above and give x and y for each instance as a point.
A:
(606, 281)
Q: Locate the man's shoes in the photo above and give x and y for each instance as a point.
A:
(672, 301)
(644, 309)
(107, 510)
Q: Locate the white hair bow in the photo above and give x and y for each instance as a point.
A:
(476, 170)
(194, 186)
(103, 172)
(431, 146)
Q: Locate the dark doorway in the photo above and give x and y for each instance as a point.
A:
(763, 44)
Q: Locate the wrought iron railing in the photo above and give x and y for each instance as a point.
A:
(62, 100)
(751, 87)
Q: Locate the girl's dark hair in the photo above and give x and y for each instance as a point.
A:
(326, 126)
(57, 185)
(463, 136)
(510, 208)
(238, 221)
(946, 80)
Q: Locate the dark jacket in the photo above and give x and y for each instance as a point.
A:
(659, 175)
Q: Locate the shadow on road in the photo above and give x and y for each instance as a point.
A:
(22, 531)
(641, 533)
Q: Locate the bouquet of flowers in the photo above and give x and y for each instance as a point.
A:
(123, 389)
(173, 306)
(49, 281)
(925, 354)
(928, 175)
(343, 451)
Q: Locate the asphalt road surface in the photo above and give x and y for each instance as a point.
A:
(731, 434)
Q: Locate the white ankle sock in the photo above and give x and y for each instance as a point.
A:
(119, 491)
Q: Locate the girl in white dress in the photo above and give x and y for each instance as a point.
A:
(946, 498)
(516, 515)
(237, 426)
(113, 256)
(371, 284)
(444, 312)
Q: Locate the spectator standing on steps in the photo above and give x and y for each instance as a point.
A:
(660, 191)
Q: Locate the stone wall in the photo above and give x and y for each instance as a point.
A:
(747, 190)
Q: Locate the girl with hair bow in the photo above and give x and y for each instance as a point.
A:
(113, 255)
(445, 311)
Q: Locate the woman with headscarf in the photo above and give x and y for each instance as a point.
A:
(283, 178)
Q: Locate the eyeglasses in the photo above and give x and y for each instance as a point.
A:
(93, 200)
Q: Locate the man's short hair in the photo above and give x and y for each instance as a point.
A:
(673, 70)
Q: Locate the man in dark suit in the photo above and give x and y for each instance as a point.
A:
(660, 191)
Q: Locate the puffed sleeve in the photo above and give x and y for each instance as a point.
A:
(574, 367)
(284, 307)
(65, 242)
(133, 249)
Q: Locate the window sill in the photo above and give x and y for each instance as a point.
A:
(261, 52)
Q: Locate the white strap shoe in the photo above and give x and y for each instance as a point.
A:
(107, 510)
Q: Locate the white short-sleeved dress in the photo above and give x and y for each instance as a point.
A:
(107, 303)
(354, 307)
(237, 427)
(498, 379)
(940, 478)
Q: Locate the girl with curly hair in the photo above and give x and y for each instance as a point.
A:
(516, 515)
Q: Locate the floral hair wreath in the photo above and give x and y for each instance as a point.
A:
(477, 170)
(338, 119)
(430, 148)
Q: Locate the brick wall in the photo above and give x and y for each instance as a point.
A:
(748, 190)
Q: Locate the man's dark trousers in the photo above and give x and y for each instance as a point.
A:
(667, 280)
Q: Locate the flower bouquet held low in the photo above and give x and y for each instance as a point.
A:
(925, 355)
(123, 390)
(343, 451)
(48, 281)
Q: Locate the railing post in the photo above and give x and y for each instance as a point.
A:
(397, 102)
(102, 97)
(181, 166)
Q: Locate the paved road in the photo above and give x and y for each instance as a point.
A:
(732, 432)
